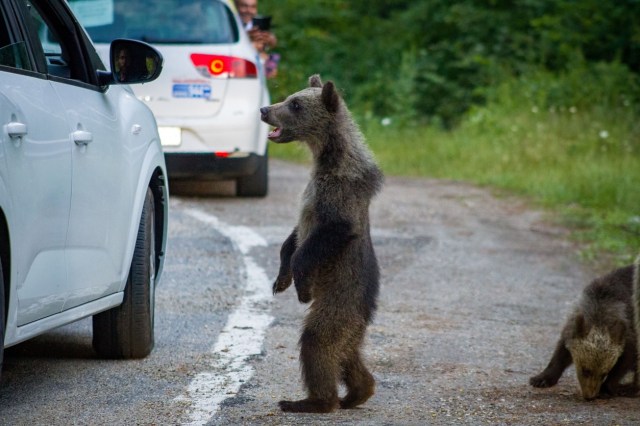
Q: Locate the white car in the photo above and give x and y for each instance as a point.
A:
(83, 188)
(208, 98)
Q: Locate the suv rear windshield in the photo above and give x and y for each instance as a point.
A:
(157, 21)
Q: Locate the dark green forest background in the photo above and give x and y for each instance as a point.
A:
(430, 60)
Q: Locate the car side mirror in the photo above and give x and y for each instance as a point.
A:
(132, 62)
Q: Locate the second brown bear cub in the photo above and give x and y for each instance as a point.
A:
(599, 337)
(329, 255)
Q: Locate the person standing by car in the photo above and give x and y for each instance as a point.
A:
(262, 39)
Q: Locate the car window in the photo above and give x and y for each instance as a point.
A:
(58, 39)
(12, 54)
(157, 21)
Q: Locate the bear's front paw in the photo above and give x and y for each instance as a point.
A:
(282, 283)
(304, 295)
(301, 281)
(543, 380)
(609, 390)
(303, 290)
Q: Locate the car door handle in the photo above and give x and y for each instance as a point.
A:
(82, 137)
(16, 129)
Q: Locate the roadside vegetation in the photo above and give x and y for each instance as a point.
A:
(537, 97)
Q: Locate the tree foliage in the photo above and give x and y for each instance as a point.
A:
(434, 59)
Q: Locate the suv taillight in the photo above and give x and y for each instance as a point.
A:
(224, 66)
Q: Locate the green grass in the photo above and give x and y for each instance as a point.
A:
(561, 163)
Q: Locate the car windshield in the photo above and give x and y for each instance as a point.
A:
(157, 21)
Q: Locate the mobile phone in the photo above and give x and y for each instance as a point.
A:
(262, 23)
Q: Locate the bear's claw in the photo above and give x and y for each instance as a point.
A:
(281, 284)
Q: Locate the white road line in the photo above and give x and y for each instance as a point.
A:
(242, 336)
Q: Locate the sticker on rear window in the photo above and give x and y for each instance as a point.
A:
(192, 91)
(93, 13)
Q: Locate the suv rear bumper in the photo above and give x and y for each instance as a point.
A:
(208, 166)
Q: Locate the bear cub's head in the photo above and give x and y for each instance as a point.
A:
(306, 115)
(595, 350)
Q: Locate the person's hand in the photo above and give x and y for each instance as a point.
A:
(254, 34)
(264, 38)
(269, 39)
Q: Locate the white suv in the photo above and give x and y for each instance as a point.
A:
(208, 98)
(83, 189)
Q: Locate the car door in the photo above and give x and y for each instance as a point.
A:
(100, 210)
(36, 171)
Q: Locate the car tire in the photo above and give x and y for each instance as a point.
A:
(256, 184)
(126, 331)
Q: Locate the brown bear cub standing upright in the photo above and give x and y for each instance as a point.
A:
(329, 255)
(599, 338)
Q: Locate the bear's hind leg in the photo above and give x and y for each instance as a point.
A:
(308, 405)
(320, 372)
(358, 380)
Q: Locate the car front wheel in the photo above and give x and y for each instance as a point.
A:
(126, 331)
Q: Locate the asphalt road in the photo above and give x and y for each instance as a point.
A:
(474, 290)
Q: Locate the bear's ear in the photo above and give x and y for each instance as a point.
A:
(314, 81)
(330, 97)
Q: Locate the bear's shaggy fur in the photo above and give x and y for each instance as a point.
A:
(599, 337)
(329, 255)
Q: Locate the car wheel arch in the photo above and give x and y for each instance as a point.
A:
(158, 185)
(153, 176)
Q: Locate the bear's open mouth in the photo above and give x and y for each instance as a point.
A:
(275, 133)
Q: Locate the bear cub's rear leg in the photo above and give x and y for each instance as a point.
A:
(320, 373)
(359, 382)
(308, 406)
